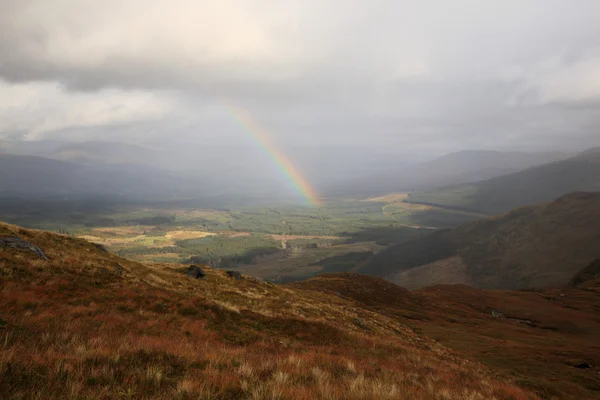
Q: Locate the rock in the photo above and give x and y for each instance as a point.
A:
(14, 242)
(119, 269)
(100, 247)
(360, 323)
(194, 271)
(497, 314)
(234, 274)
(583, 365)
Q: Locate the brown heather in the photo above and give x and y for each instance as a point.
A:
(79, 327)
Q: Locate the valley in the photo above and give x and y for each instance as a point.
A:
(280, 243)
(299, 200)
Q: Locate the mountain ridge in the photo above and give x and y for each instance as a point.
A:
(450, 169)
(538, 245)
(533, 185)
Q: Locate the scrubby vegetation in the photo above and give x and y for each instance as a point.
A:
(88, 324)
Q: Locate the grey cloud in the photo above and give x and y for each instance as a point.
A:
(428, 75)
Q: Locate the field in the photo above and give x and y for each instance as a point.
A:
(280, 243)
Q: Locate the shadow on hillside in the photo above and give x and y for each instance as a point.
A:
(384, 236)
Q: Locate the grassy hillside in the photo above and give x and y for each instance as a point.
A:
(88, 324)
(534, 336)
(533, 185)
(530, 246)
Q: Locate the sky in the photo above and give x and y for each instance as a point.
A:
(430, 76)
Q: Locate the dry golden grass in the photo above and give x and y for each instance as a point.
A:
(447, 271)
(389, 198)
(293, 237)
(183, 235)
(88, 324)
(125, 236)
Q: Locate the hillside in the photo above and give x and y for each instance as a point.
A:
(533, 185)
(540, 245)
(33, 176)
(450, 169)
(95, 152)
(88, 324)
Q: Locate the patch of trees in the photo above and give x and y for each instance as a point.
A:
(155, 220)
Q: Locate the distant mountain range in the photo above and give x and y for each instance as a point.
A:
(530, 186)
(33, 176)
(450, 169)
(240, 172)
(93, 153)
(248, 175)
(546, 244)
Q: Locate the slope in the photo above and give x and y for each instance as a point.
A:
(95, 152)
(32, 176)
(450, 169)
(545, 339)
(531, 246)
(533, 185)
(88, 324)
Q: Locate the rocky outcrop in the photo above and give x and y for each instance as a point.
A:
(100, 247)
(13, 242)
(194, 271)
(234, 274)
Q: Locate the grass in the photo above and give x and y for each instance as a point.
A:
(539, 355)
(75, 327)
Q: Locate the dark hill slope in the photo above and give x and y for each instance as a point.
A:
(533, 185)
(32, 176)
(589, 276)
(93, 152)
(535, 336)
(540, 245)
(450, 169)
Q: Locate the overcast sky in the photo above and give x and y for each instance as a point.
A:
(422, 76)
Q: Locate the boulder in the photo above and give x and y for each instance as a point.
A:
(583, 365)
(14, 242)
(359, 322)
(234, 274)
(100, 247)
(119, 269)
(194, 271)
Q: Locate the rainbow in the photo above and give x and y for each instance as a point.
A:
(280, 160)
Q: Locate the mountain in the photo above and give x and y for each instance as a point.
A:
(450, 169)
(78, 322)
(539, 245)
(32, 176)
(533, 185)
(95, 152)
(41, 148)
